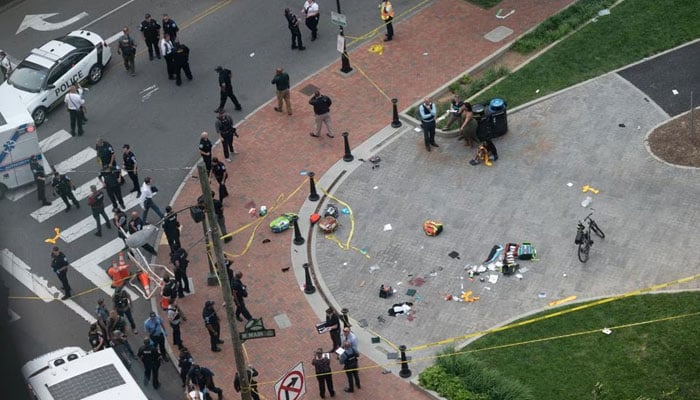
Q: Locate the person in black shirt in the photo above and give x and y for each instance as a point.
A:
(151, 33)
(293, 23)
(171, 227)
(149, 356)
(181, 62)
(96, 201)
(180, 261)
(112, 180)
(218, 169)
(121, 224)
(211, 322)
(322, 111)
(59, 264)
(105, 153)
(135, 225)
(169, 27)
(40, 179)
(240, 292)
(63, 187)
(185, 362)
(226, 89)
(219, 211)
(131, 167)
(203, 378)
(252, 373)
(224, 126)
(205, 146)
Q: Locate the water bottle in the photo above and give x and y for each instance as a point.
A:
(587, 201)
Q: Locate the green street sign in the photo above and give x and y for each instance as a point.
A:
(257, 334)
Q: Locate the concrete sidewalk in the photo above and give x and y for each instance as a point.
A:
(275, 149)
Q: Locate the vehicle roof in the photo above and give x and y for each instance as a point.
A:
(87, 376)
(13, 114)
(48, 54)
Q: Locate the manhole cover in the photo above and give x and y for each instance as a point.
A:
(308, 89)
(498, 34)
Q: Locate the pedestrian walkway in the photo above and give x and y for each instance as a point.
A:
(276, 150)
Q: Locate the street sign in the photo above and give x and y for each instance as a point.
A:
(291, 386)
(257, 334)
(338, 19)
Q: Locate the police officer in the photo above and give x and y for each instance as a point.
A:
(205, 146)
(219, 211)
(181, 62)
(112, 179)
(120, 223)
(252, 373)
(59, 264)
(170, 28)
(211, 322)
(218, 169)
(180, 261)
(150, 357)
(428, 112)
(171, 227)
(105, 153)
(131, 167)
(386, 12)
(63, 187)
(151, 33)
(96, 201)
(167, 48)
(202, 378)
(135, 225)
(240, 292)
(226, 89)
(224, 126)
(127, 48)
(293, 24)
(40, 179)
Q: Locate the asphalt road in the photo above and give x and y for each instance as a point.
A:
(249, 37)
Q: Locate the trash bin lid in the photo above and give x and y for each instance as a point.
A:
(478, 108)
(497, 104)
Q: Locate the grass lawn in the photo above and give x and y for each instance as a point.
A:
(635, 29)
(659, 360)
(485, 4)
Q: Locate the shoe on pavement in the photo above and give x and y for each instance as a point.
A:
(302, 48)
(278, 109)
(229, 159)
(434, 144)
(46, 203)
(216, 350)
(348, 390)
(98, 234)
(65, 297)
(221, 342)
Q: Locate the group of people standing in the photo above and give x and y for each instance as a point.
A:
(345, 348)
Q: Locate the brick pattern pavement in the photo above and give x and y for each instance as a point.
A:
(274, 148)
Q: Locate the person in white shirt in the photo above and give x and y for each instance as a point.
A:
(146, 198)
(74, 103)
(311, 12)
(5, 65)
(167, 49)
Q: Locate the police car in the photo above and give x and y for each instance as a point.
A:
(48, 72)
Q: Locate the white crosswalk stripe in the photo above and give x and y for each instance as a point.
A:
(54, 140)
(89, 268)
(87, 224)
(76, 160)
(38, 285)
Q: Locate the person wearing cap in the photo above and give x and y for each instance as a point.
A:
(151, 33)
(252, 374)
(63, 187)
(127, 48)
(224, 126)
(281, 82)
(202, 378)
(311, 13)
(148, 190)
(293, 24)
(121, 301)
(181, 62)
(121, 224)
(102, 315)
(149, 356)
(153, 326)
(171, 227)
(218, 169)
(167, 48)
(226, 89)
(205, 146)
(105, 153)
(131, 167)
(386, 12)
(59, 265)
(211, 322)
(135, 225)
(96, 201)
(324, 375)
(39, 178)
(111, 179)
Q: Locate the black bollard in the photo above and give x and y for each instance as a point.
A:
(313, 196)
(344, 317)
(298, 239)
(348, 155)
(395, 123)
(309, 286)
(405, 372)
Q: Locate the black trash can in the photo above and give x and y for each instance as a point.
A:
(498, 117)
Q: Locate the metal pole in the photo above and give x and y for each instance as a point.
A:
(309, 285)
(345, 61)
(395, 122)
(405, 372)
(298, 239)
(313, 196)
(348, 155)
(692, 120)
(225, 284)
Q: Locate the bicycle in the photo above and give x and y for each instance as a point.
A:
(583, 237)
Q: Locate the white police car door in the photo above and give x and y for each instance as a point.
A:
(69, 71)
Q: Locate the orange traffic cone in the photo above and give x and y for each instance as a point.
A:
(145, 282)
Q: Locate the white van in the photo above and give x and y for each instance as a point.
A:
(19, 141)
(72, 373)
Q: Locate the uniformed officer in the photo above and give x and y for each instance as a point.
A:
(180, 261)
(150, 357)
(311, 13)
(202, 378)
(219, 212)
(218, 169)
(151, 33)
(171, 227)
(169, 27)
(105, 153)
(386, 12)
(240, 292)
(40, 179)
(167, 48)
(59, 264)
(293, 24)
(96, 337)
(63, 187)
(127, 48)
(135, 225)
(211, 322)
(131, 168)
(121, 300)
(252, 373)
(226, 88)
(205, 146)
(96, 201)
(181, 62)
(428, 112)
(224, 126)
(112, 179)
(120, 223)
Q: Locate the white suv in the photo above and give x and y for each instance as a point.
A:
(41, 80)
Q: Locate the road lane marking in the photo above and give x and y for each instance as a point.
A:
(37, 284)
(88, 266)
(106, 15)
(76, 160)
(88, 224)
(54, 140)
